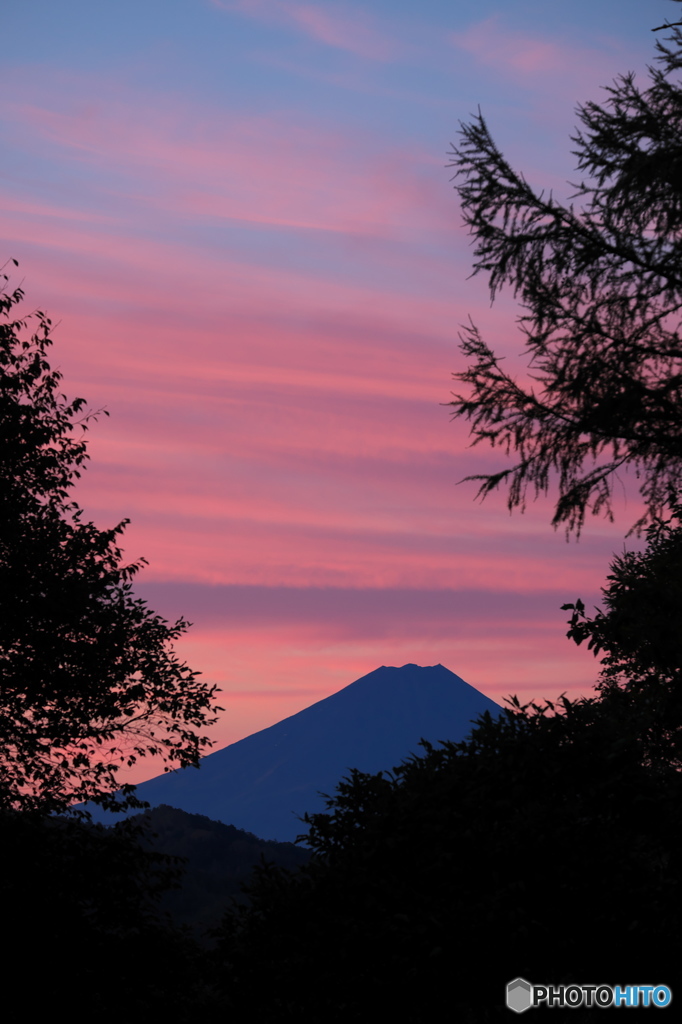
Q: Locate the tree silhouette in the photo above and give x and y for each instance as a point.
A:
(547, 844)
(541, 846)
(601, 287)
(640, 633)
(639, 638)
(89, 681)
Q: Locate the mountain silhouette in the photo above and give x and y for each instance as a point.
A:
(219, 860)
(265, 782)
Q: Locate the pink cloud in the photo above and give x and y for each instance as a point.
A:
(273, 424)
(268, 670)
(341, 27)
(273, 652)
(350, 32)
(246, 320)
(270, 171)
(12, 206)
(565, 69)
(493, 44)
(247, 446)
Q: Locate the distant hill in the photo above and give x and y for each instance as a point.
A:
(218, 860)
(266, 782)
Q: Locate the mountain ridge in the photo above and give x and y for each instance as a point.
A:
(265, 782)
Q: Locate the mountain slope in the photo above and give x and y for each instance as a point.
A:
(218, 860)
(265, 782)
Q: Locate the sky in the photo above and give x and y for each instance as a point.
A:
(239, 215)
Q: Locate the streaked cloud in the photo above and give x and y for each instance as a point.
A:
(337, 25)
(495, 44)
(281, 170)
(558, 67)
(502, 642)
(244, 230)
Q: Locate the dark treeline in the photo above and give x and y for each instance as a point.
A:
(545, 846)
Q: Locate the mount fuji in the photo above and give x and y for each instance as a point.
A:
(265, 782)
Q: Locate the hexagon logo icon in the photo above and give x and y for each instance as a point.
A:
(519, 996)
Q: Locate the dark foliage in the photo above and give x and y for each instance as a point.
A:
(88, 682)
(88, 677)
(547, 844)
(640, 633)
(80, 912)
(639, 636)
(541, 847)
(601, 287)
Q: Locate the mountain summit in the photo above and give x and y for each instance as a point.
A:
(264, 783)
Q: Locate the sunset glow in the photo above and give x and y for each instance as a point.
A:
(239, 217)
